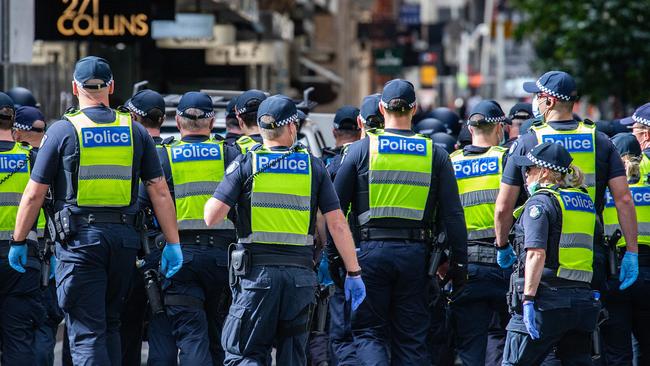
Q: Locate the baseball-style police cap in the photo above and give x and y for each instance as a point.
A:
(144, 101)
(626, 144)
(25, 118)
(92, 68)
(369, 110)
(491, 112)
(398, 89)
(249, 101)
(6, 101)
(556, 84)
(281, 108)
(346, 118)
(196, 100)
(546, 155)
(22, 97)
(641, 115)
(521, 111)
(230, 108)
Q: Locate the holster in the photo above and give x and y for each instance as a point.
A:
(141, 227)
(64, 225)
(515, 293)
(239, 262)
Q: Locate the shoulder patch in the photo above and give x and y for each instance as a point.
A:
(167, 140)
(535, 211)
(232, 167)
(43, 140)
(513, 147)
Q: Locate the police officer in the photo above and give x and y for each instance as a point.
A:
(22, 97)
(629, 311)
(392, 181)
(148, 108)
(554, 236)
(640, 123)
(555, 93)
(246, 111)
(21, 312)
(519, 113)
(233, 132)
(369, 114)
(478, 170)
(195, 165)
(278, 188)
(346, 131)
(93, 161)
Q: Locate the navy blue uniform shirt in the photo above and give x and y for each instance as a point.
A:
(232, 192)
(354, 166)
(608, 161)
(58, 161)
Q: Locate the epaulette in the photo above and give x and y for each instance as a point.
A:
(167, 141)
(71, 110)
(25, 146)
(455, 153)
(256, 147)
(122, 109)
(588, 122)
(538, 122)
(218, 137)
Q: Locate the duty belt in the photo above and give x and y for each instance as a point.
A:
(481, 253)
(373, 233)
(206, 239)
(105, 218)
(644, 260)
(281, 260)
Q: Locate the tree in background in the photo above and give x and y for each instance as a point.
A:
(604, 44)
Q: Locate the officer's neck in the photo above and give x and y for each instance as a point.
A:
(342, 140)
(202, 132)
(153, 132)
(248, 131)
(554, 116)
(282, 141)
(98, 100)
(485, 141)
(398, 123)
(5, 135)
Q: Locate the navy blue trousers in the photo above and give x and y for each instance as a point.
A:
(93, 276)
(473, 310)
(342, 346)
(391, 325)
(270, 308)
(45, 338)
(565, 319)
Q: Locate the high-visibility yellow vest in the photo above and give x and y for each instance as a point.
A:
(641, 197)
(580, 143)
(281, 198)
(105, 160)
(245, 143)
(479, 177)
(197, 169)
(399, 176)
(41, 224)
(576, 247)
(14, 160)
(644, 167)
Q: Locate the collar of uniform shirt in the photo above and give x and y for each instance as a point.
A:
(400, 132)
(564, 125)
(195, 138)
(471, 149)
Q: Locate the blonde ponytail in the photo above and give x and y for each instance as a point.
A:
(632, 168)
(575, 178)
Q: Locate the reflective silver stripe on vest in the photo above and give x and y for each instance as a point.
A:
(479, 197)
(6, 235)
(387, 212)
(198, 224)
(40, 233)
(575, 274)
(269, 237)
(610, 229)
(480, 234)
(114, 172)
(399, 177)
(194, 189)
(590, 180)
(10, 199)
(281, 201)
(577, 240)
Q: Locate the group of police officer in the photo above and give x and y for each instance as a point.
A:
(222, 238)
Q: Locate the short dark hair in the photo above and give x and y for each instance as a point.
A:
(7, 122)
(249, 118)
(232, 122)
(399, 107)
(153, 119)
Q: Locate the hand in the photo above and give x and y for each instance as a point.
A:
(52, 266)
(629, 270)
(18, 257)
(172, 259)
(443, 268)
(355, 289)
(506, 257)
(323, 272)
(335, 267)
(457, 273)
(529, 319)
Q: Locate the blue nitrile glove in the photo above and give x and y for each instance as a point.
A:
(171, 260)
(18, 257)
(506, 257)
(324, 277)
(355, 289)
(52, 266)
(529, 319)
(629, 270)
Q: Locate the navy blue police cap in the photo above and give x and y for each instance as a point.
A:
(369, 111)
(144, 101)
(398, 89)
(281, 108)
(491, 112)
(521, 110)
(546, 155)
(249, 101)
(230, 108)
(556, 84)
(195, 100)
(626, 144)
(25, 118)
(641, 115)
(301, 115)
(346, 118)
(6, 101)
(92, 68)
(22, 97)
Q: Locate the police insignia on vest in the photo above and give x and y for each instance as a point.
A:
(535, 212)
(513, 147)
(232, 167)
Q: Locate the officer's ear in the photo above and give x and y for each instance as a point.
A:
(414, 110)
(111, 87)
(178, 122)
(211, 123)
(75, 90)
(381, 109)
(359, 123)
(241, 122)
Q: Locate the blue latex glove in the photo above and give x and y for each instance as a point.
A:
(506, 257)
(171, 260)
(18, 257)
(324, 272)
(52, 266)
(529, 319)
(629, 270)
(355, 289)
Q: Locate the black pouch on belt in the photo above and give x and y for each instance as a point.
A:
(239, 262)
(64, 225)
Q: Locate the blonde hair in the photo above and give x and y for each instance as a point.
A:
(271, 134)
(632, 167)
(194, 124)
(573, 179)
